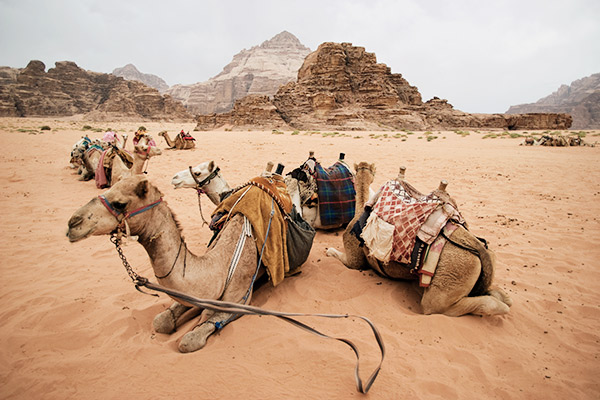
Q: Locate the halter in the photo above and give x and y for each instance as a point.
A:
(205, 181)
(200, 184)
(124, 216)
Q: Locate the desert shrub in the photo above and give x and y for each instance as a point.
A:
(87, 128)
(276, 132)
(45, 128)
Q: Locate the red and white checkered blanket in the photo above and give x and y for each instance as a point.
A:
(407, 209)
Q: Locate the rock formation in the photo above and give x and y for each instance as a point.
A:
(68, 90)
(581, 100)
(131, 73)
(342, 87)
(260, 70)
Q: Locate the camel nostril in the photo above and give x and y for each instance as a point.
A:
(75, 221)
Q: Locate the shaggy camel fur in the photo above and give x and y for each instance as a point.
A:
(159, 233)
(179, 143)
(141, 154)
(457, 272)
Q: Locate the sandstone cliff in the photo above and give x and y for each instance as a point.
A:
(260, 70)
(131, 73)
(67, 90)
(342, 87)
(581, 100)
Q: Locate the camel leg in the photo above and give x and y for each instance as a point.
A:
(331, 252)
(455, 276)
(479, 305)
(353, 256)
(167, 321)
(196, 338)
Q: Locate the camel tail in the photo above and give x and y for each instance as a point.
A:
(488, 263)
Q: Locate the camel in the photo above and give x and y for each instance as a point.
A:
(141, 154)
(174, 265)
(462, 281)
(179, 143)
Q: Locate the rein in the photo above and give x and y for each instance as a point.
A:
(240, 309)
(199, 190)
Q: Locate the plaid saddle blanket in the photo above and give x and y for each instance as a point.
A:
(337, 196)
(406, 209)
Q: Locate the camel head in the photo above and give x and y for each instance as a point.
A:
(365, 172)
(147, 151)
(184, 179)
(103, 214)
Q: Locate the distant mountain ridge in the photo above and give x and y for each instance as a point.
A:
(581, 99)
(261, 70)
(131, 73)
(67, 90)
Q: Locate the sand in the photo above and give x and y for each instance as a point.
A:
(73, 326)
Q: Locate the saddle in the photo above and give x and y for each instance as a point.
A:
(336, 194)
(256, 200)
(185, 136)
(403, 226)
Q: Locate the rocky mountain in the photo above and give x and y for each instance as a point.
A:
(131, 73)
(581, 100)
(67, 90)
(260, 70)
(341, 86)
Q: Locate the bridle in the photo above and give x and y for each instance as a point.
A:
(122, 217)
(200, 184)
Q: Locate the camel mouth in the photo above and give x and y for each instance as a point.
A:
(75, 236)
(177, 185)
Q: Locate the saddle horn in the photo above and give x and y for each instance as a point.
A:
(443, 184)
(311, 154)
(401, 173)
(279, 169)
(342, 155)
(269, 167)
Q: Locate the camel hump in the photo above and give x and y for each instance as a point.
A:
(462, 238)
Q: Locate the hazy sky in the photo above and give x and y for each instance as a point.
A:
(481, 55)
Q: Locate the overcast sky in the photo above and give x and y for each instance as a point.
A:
(480, 55)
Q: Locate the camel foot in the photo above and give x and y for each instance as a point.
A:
(196, 339)
(164, 322)
(501, 295)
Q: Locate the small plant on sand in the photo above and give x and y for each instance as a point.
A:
(86, 128)
(276, 132)
(45, 128)
(295, 133)
(462, 133)
(490, 136)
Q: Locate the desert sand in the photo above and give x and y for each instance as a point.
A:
(73, 325)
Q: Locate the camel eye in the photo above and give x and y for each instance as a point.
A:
(119, 206)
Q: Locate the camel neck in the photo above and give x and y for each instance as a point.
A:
(162, 240)
(215, 188)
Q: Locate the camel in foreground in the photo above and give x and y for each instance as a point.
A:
(462, 281)
(179, 143)
(174, 265)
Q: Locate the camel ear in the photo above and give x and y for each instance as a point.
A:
(211, 166)
(141, 189)
(355, 166)
(373, 169)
